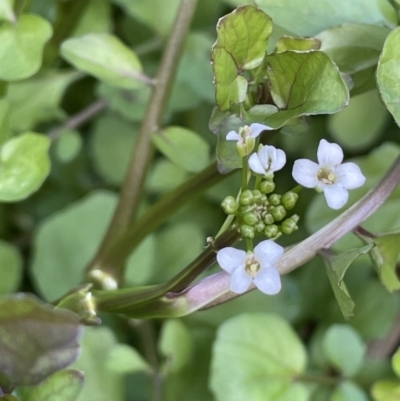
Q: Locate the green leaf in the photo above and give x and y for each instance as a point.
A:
(336, 267)
(38, 99)
(183, 147)
(25, 164)
(124, 359)
(154, 14)
(10, 268)
(396, 362)
(286, 43)
(386, 390)
(361, 123)
(308, 17)
(304, 84)
(68, 145)
(241, 45)
(105, 57)
(4, 120)
(36, 340)
(373, 166)
(175, 345)
(254, 346)
(96, 18)
(385, 255)
(353, 47)
(102, 383)
(344, 349)
(112, 143)
(21, 46)
(7, 11)
(348, 391)
(64, 385)
(388, 74)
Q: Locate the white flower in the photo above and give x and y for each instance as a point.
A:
(246, 137)
(329, 175)
(257, 266)
(267, 160)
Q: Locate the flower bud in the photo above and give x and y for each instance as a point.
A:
(278, 213)
(246, 209)
(259, 227)
(267, 187)
(271, 231)
(257, 195)
(289, 226)
(247, 144)
(247, 231)
(229, 205)
(289, 200)
(268, 219)
(275, 199)
(250, 218)
(246, 198)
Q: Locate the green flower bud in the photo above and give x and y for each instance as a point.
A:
(267, 187)
(278, 213)
(268, 219)
(247, 231)
(246, 198)
(295, 218)
(246, 209)
(289, 200)
(257, 195)
(289, 226)
(259, 227)
(229, 205)
(271, 231)
(275, 199)
(250, 218)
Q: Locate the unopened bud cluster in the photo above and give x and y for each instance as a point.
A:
(262, 212)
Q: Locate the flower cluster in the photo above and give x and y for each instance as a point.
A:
(260, 211)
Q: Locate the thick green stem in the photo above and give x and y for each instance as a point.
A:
(132, 188)
(119, 251)
(67, 18)
(244, 173)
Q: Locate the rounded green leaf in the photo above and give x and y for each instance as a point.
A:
(112, 143)
(24, 164)
(361, 123)
(175, 345)
(388, 74)
(7, 11)
(21, 46)
(10, 268)
(183, 147)
(396, 362)
(386, 390)
(254, 346)
(348, 391)
(309, 17)
(68, 145)
(165, 176)
(105, 57)
(344, 348)
(64, 385)
(125, 359)
(36, 340)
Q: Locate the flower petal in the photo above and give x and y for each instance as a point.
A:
(233, 136)
(349, 175)
(329, 154)
(266, 154)
(305, 172)
(336, 196)
(231, 258)
(268, 281)
(256, 129)
(268, 252)
(280, 160)
(240, 281)
(255, 164)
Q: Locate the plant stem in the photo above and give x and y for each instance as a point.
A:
(119, 251)
(130, 197)
(244, 173)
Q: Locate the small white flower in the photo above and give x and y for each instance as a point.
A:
(257, 266)
(329, 175)
(246, 137)
(267, 160)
